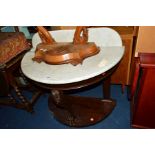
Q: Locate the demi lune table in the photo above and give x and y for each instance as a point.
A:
(77, 110)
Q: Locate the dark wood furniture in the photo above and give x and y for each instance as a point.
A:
(77, 111)
(11, 88)
(143, 92)
(11, 79)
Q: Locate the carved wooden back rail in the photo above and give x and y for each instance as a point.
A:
(74, 52)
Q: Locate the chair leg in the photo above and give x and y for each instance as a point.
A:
(20, 96)
(26, 104)
(20, 102)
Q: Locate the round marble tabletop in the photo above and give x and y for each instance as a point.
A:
(107, 58)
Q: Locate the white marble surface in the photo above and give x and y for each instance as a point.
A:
(110, 54)
(101, 36)
(67, 73)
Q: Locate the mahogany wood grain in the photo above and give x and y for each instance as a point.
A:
(80, 111)
(143, 99)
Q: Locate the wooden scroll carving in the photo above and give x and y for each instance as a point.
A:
(55, 53)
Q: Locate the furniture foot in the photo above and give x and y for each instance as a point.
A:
(123, 88)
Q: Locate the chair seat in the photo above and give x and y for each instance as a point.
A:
(11, 44)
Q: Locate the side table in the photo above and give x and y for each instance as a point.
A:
(75, 110)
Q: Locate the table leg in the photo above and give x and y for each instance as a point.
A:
(106, 88)
(79, 111)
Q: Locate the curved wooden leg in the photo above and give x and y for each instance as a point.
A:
(60, 109)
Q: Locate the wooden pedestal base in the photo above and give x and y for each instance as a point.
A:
(79, 111)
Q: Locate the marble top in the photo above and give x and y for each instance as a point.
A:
(107, 58)
(67, 73)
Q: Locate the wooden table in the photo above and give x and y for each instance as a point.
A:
(75, 110)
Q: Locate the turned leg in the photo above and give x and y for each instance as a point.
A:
(25, 104)
(12, 98)
(19, 94)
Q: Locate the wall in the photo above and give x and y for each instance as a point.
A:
(145, 40)
(23, 29)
